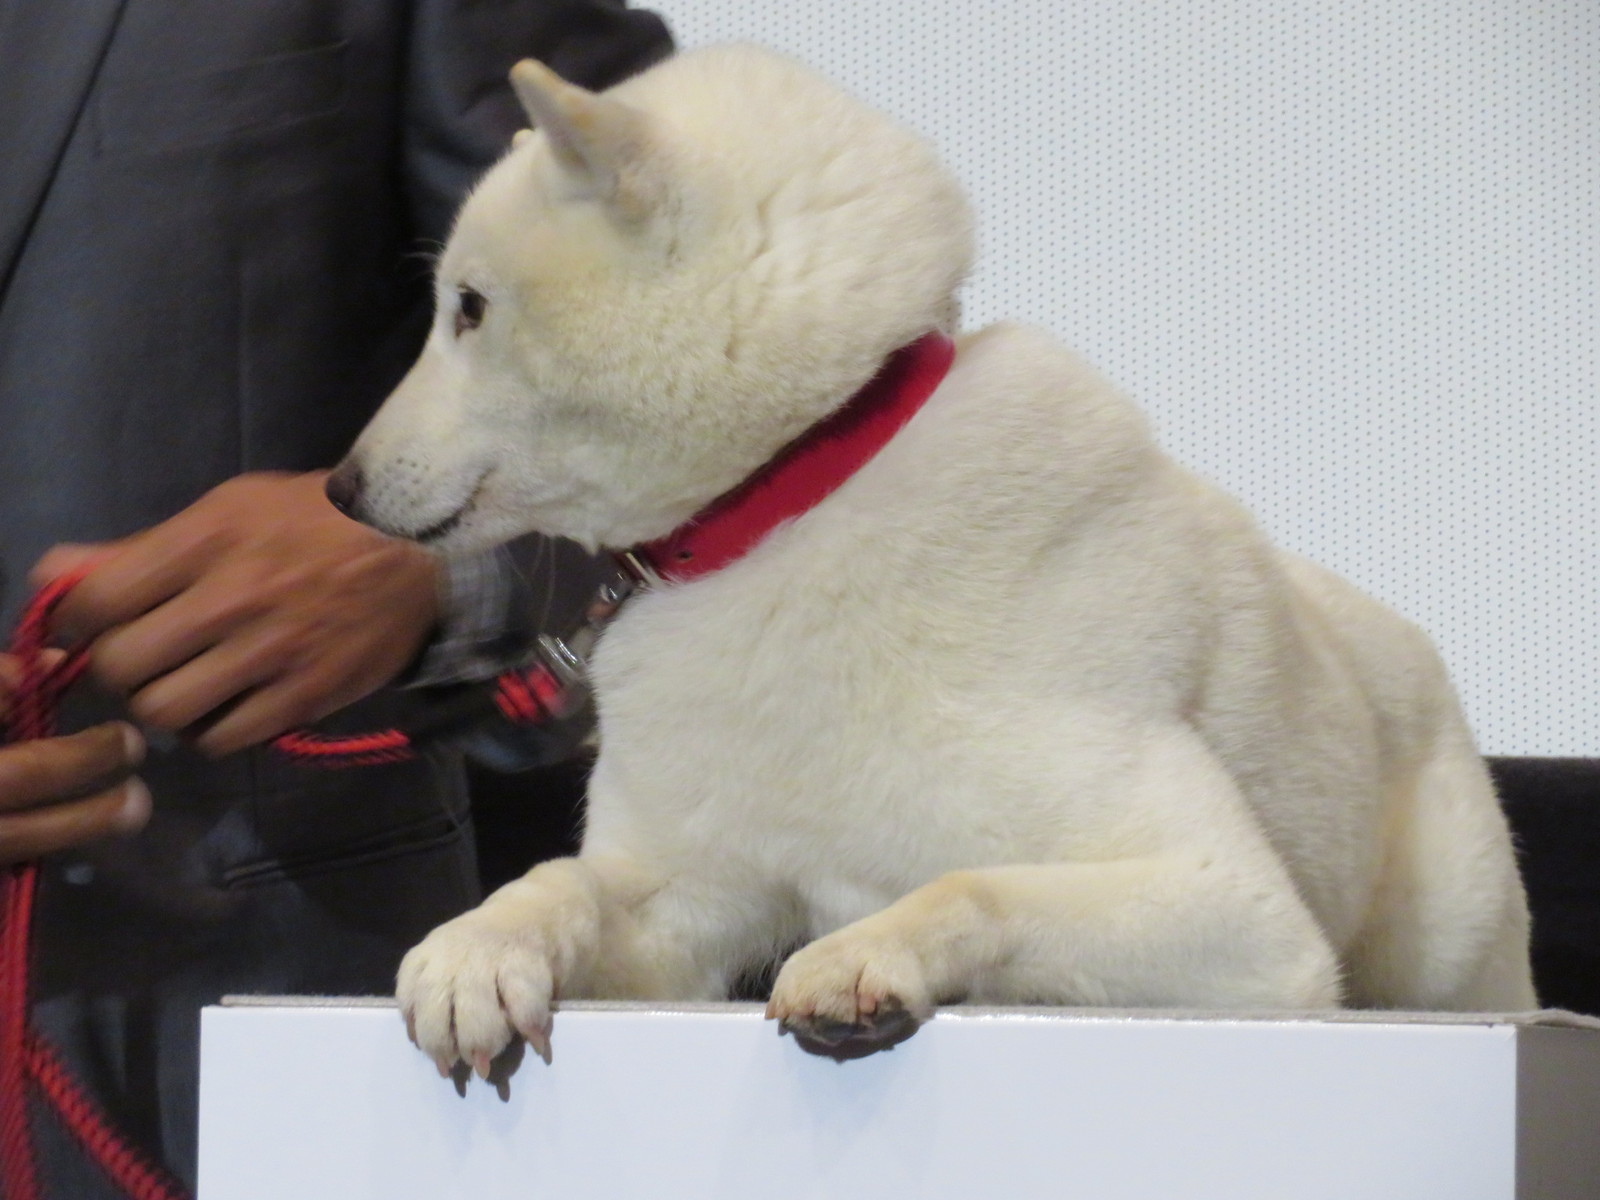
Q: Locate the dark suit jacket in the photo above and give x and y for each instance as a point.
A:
(211, 219)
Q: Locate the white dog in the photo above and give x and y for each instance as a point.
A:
(1021, 711)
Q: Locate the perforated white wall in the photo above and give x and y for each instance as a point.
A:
(1346, 252)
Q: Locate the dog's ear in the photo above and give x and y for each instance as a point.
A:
(600, 142)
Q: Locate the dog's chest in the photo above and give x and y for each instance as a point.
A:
(741, 722)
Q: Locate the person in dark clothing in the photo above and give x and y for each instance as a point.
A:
(210, 219)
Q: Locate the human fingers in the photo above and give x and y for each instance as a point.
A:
(286, 702)
(215, 610)
(248, 674)
(125, 579)
(67, 558)
(56, 793)
(10, 680)
(257, 683)
(119, 810)
(289, 673)
(130, 577)
(287, 566)
(215, 681)
(40, 773)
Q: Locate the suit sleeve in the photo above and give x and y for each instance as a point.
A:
(460, 112)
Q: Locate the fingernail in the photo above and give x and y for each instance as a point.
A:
(132, 745)
(136, 806)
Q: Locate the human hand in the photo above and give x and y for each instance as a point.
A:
(258, 608)
(60, 792)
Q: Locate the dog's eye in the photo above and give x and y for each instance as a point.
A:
(470, 307)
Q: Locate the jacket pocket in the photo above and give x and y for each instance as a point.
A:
(161, 113)
(429, 834)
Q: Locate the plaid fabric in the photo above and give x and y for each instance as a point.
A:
(495, 604)
(490, 611)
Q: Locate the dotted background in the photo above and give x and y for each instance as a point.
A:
(1345, 253)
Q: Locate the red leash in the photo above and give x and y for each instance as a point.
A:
(527, 696)
(27, 1061)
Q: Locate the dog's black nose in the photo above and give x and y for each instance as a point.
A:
(344, 487)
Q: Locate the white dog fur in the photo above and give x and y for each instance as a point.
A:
(1024, 712)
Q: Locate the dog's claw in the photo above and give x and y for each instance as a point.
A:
(883, 1029)
(480, 1064)
(539, 1038)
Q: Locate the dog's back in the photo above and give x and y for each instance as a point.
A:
(950, 665)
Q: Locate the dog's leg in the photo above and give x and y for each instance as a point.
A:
(1174, 931)
(607, 926)
(1448, 928)
(1207, 919)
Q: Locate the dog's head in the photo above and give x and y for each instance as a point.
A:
(652, 293)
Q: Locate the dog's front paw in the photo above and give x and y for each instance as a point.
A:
(848, 995)
(472, 985)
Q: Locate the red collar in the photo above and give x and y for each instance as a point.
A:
(807, 470)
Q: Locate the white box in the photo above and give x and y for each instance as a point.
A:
(305, 1100)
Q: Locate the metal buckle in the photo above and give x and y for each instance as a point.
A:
(565, 663)
(567, 655)
(640, 571)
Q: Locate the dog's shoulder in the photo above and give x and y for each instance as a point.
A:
(1020, 408)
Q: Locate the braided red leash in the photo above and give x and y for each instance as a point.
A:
(16, 1141)
(529, 696)
(360, 750)
(127, 1166)
(26, 1058)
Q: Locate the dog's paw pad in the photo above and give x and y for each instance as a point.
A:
(890, 1025)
